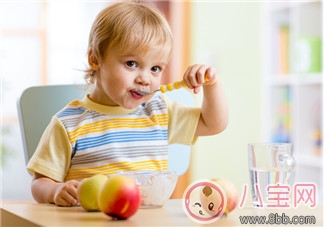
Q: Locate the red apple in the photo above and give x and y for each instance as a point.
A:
(119, 197)
(231, 193)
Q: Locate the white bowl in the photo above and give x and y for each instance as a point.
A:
(156, 186)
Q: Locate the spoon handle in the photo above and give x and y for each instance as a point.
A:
(172, 86)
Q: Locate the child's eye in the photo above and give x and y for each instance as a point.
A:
(131, 64)
(156, 69)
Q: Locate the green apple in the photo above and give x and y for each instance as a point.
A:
(88, 191)
(119, 197)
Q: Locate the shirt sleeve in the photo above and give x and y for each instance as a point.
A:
(53, 154)
(182, 122)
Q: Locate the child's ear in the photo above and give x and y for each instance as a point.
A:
(92, 60)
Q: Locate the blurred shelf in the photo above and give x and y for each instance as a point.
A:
(313, 161)
(292, 35)
(296, 79)
(275, 6)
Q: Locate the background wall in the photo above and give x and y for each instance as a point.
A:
(42, 42)
(227, 35)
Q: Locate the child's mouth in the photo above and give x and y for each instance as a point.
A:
(136, 94)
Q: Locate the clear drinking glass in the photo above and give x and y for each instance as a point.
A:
(272, 173)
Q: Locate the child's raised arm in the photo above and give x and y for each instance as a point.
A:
(214, 109)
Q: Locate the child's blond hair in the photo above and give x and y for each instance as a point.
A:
(130, 26)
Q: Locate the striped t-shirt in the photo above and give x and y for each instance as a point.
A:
(86, 138)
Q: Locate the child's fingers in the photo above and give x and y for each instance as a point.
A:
(66, 194)
(201, 74)
(186, 78)
(195, 75)
(210, 74)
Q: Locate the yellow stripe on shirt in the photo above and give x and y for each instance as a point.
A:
(80, 173)
(115, 123)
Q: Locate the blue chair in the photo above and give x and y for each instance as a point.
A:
(38, 104)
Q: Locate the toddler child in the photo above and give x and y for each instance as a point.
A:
(115, 127)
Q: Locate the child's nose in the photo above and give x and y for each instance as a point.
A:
(143, 78)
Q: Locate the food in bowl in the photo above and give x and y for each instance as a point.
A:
(156, 186)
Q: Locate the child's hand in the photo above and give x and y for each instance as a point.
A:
(66, 194)
(199, 75)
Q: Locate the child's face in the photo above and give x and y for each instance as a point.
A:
(122, 74)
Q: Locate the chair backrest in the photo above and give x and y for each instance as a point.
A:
(38, 104)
